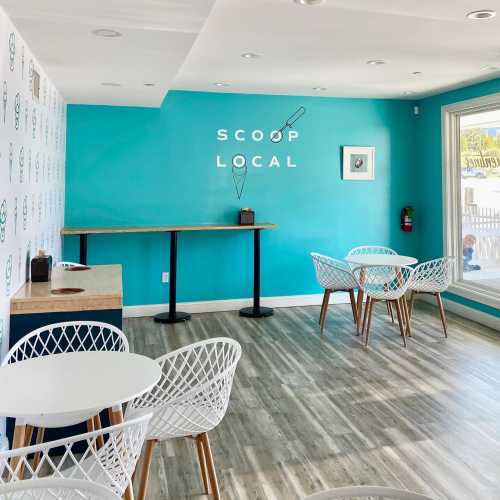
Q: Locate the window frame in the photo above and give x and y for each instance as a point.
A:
(452, 203)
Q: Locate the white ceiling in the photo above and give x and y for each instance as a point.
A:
(157, 37)
(187, 44)
(328, 45)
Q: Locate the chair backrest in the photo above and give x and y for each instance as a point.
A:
(55, 489)
(371, 249)
(111, 465)
(434, 275)
(67, 264)
(194, 389)
(358, 492)
(384, 282)
(70, 336)
(332, 273)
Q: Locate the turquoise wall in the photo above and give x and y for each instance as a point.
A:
(429, 166)
(137, 166)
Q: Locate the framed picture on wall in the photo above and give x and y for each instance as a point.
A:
(359, 163)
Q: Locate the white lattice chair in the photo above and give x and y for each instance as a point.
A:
(55, 489)
(71, 336)
(370, 250)
(372, 280)
(432, 277)
(190, 399)
(110, 465)
(333, 275)
(359, 492)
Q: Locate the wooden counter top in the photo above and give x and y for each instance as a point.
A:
(164, 229)
(102, 290)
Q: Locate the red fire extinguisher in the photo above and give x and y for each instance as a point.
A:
(407, 219)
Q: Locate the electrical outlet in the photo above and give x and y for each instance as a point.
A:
(164, 277)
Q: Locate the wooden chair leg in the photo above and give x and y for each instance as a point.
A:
(389, 309)
(442, 314)
(399, 313)
(359, 308)
(352, 298)
(97, 427)
(28, 435)
(210, 466)
(326, 299)
(39, 440)
(365, 314)
(90, 425)
(404, 305)
(203, 464)
(146, 464)
(18, 440)
(412, 301)
(368, 326)
(322, 308)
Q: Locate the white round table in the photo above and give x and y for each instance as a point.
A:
(381, 260)
(374, 259)
(73, 383)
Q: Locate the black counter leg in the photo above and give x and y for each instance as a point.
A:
(256, 311)
(173, 316)
(83, 249)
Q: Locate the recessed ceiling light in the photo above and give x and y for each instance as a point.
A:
(149, 84)
(250, 55)
(481, 14)
(408, 92)
(489, 68)
(375, 62)
(221, 84)
(111, 84)
(309, 2)
(319, 89)
(416, 73)
(107, 33)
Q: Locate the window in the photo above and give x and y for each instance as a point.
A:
(471, 168)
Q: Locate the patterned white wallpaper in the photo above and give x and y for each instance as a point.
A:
(32, 163)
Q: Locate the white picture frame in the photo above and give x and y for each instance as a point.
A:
(364, 156)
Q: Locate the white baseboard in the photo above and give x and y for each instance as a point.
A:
(466, 312)
(234, 304)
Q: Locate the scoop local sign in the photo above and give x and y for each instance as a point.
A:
(257, 161)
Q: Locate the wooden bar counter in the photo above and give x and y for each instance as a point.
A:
(34, 305)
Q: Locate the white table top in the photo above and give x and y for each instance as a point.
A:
(63, 384)
(373, 259)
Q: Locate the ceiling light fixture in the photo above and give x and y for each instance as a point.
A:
(319, 89)
(481, 14)
(376, 62)
(408, 92)
(221, 84)
(111, 84)
(250, 55)
(309, 2)
(149, 84)
(489, 68)
(416, 73)
(107, 33)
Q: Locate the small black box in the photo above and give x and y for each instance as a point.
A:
(41, 267)
(247, 217)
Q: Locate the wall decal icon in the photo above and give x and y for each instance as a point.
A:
(25, 212)
(12, 50)
(15, 216)
(11, 160)
(21, 165)
(17, 110)
(8, 275)
(3, 220)
(4, 99)
(278, 135)
(239, 171)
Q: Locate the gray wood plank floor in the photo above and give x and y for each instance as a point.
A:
(309, 413)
